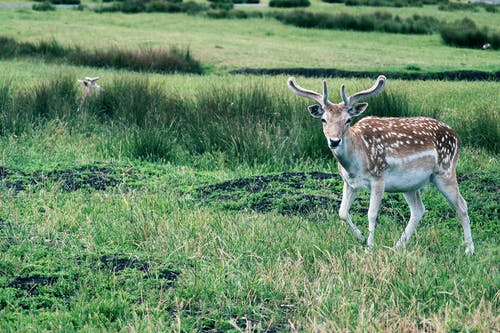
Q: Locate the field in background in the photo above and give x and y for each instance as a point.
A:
(256, 43)
(209, 202)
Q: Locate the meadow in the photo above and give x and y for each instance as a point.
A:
(208, 202)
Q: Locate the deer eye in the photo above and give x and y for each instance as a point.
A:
(348, 121)
(323, 120)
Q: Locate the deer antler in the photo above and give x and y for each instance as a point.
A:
(298, 90)
(374, 90)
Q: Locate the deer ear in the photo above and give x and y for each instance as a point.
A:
(315, 110)
(358, 109)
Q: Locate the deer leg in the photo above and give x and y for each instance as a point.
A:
(348, 195)
(376, 194)
(417, 210)
(448, 186)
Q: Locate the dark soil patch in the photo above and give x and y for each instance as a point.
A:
(288, 193)
(332, 72)
(60, 290)
(302, 193)
(31, 283)
(291, 193)
(114, 263)
(97, 177)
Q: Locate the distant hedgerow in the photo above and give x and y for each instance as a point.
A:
(232, 14)
(61, 2)
(43, 6)
(473, 7)
(465, 33)
(165, 6)
(388, 3)
(145, 59)
(289, 3)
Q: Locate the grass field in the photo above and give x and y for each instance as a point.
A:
(208, 203)
(256, 43)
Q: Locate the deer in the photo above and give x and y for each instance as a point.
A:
(388, 154)
(90, 86)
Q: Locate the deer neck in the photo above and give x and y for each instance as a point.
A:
(346, 152)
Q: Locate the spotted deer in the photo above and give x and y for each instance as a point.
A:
(388, 155)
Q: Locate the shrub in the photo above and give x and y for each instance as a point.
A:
(246, 1)
(44, 6)
(463, 33)
(192, 7)
(224, 5)
(289, 3)
(163, 6)
(132, 6)
(494, 40)
(166, 6)
(491, 8)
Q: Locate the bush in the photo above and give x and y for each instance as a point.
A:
(289, 3)
(132, 6)
(494, 40)
(137, 6)
(224, 5)
(246, 1)
(231, 14)
(163, 6)
(464, 33)
(192, 7)
(43, 7)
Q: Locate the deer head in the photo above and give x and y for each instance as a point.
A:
(336, 118)
(90, 86)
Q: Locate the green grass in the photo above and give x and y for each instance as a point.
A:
(209, 203)
(94, 238)
(147, 255)
(259, 43)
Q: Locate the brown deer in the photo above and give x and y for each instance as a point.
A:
(388, 154)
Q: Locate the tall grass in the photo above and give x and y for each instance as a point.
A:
(377, 21)
(465, 33)
(145, 59)
(249, 123)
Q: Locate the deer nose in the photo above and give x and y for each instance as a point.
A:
(334, 142)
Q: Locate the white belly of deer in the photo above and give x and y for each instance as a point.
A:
(409, 173)
(402, 174)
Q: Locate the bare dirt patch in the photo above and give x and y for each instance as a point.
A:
(98, 177)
